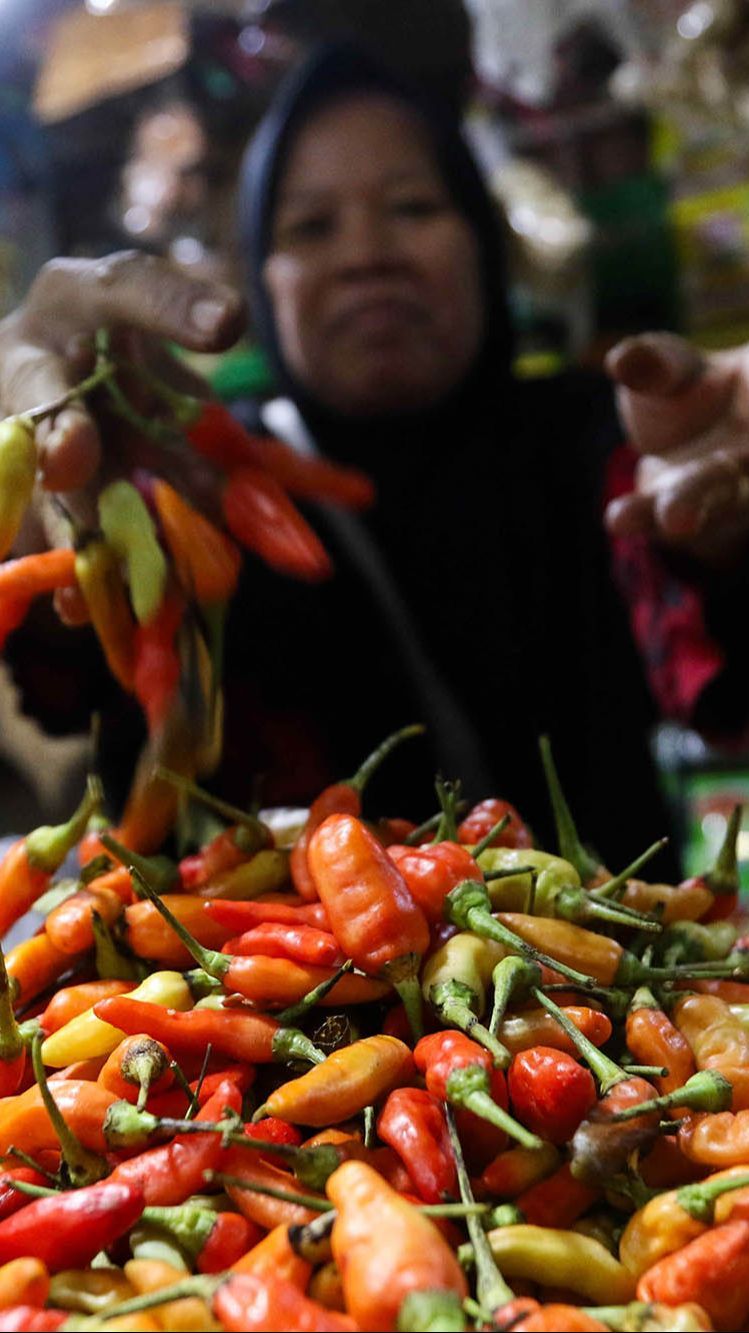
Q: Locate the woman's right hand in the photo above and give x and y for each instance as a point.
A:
(46, 347)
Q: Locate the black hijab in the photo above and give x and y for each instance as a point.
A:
(331, 74)
(500, 619)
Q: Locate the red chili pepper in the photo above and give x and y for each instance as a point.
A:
(171, 1173)
(12, 1200)
(482, 819)
(213, 1241)
(341, 798)
(260, 515)
(413, 1123)
(67, 1230)
(156, 669)
(710, 1270)
(371, 911)
(432, 871)
(300, 943)
(556, 1201)
(218, 436)
(29, 1319)
(243, 916)
(251, 1304)
(550, 1092)
(461, 1072)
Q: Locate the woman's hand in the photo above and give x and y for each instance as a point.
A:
(687, 415)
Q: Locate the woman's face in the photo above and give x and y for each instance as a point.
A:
(373, 274)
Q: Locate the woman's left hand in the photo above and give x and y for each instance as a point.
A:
(687, 415)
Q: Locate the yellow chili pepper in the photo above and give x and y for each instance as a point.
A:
(86, 1036)
(24, 1282)
(190, 1315)
(671, 1220)
(513, 893)
(97, 570)
(131, 532)
(674, 902)
(562, 1259)
(467, 958)
(17, 474)
(265, 872)
(344, 1084)
(89, 1290)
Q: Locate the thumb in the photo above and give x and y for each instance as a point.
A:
(667, 391)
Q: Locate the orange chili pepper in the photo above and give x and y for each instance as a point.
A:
(25, 1123)
(250, 1167)
(100, 578)
(654, 1040)
(35, 964)
(536, 1027)
(596, 955)
(33, 575)
(340, 798)
(554, 1318)
(71, 1001)
(275, 1255)
(670, 1220)
(384, 1248)
(372, 913)
(138, 1066)
(350, 1079)
(689, 901)
(27, 868)
(150, 936)
(206, 560)
(719, 1140)
(515, 1170)
(710, 1270)
(718, 1041)
(24, 1282)
(70, 925)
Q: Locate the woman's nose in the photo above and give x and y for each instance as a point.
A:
(364, 239)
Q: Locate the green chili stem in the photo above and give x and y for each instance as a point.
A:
(706, 1090)
(724, 876)
(606, 1071)
(312, 1201)
(507, 976)
(231, 813)
(491, 1289)
(699, 1200)
(296, 1011)
(214, 963)
(27, 1160)
(570, 846)
(613, 887)
(103, 371)
(417, 835)
(182, 1083)
(489, 837)
(373, 761)
(83, 1167)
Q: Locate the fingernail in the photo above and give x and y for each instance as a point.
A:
(638, 366)
(207, 314)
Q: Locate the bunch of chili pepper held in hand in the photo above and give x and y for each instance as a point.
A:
(356, 1074)
(154, 575)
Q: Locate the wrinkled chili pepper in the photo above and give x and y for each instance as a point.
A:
(710, 1270)
(653, 1039)
(371, 911)
(244, 916)
(485, 816)
(550, 1092)
(300, 943)
(717, 1040)
(670, 1220)
(384, 1249)
(254, 1038)
(344, 798)
(412, 1122)
(432, 871)
(27, 867)
(461, 1072)
(346, 1082)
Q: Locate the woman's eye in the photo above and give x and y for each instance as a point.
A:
(418, 206)
(309, 228)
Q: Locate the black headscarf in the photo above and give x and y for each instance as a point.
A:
(331, 74)
(488, 522)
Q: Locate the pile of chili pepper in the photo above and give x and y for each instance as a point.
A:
(308, 1077)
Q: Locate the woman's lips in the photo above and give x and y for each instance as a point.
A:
(378, 318)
